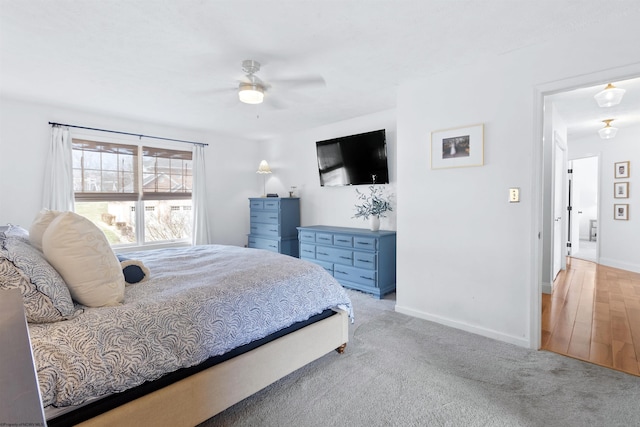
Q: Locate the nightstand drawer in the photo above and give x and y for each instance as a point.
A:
(364, 260)
(340, 256)
(343, 240)
(356, 275)
(307, 250)
(365, 243)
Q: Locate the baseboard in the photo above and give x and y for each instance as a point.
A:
(547, 288)
(620, 264)
(489, 333)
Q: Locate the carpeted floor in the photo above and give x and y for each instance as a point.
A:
(402, 371)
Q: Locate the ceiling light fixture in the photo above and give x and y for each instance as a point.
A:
(251, 93)
(610, 96)
(608, 131)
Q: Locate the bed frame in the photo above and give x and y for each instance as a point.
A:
(199, 397)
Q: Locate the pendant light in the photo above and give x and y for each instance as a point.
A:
(610, 96)
(608, 131)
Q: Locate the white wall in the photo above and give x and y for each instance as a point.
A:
(293, 161)
(24, 141)
(467, 257)
(619, 241)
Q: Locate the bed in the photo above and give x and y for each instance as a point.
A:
(208, 327)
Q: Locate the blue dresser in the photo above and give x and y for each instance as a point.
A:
(358, 258)
(273, 224)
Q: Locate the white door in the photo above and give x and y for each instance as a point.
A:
(559, 205)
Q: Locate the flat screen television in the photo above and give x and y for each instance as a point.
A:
(353, 160)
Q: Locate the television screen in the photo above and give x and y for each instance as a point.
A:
(353, 160)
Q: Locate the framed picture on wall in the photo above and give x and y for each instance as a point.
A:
(621, 212)
(621, 190)
(457, 147)
(622, 170)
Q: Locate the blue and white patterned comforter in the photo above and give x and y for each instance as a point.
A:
(199, 302)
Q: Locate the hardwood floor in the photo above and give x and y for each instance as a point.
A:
(594, 315)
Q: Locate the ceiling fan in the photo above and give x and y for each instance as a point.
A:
(251, 90)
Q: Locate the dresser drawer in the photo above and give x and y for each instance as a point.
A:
(365, 260)
(272, 230)
(307, 236)
(340, 256)
(324, 238)
(365, 243)
(356, 275)
(343, 240)
(256, 204)
(326, 265)
(268, 244)
(272, 204)
(265, 217)
(307, 251)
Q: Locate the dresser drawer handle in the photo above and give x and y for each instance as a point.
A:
(366, 278)
(273, 217)
(364, 243)
(342, 240)
(275, 231)
(364, 260)
(307, 251)
(273, 246)
(323, 253)
(341, 272)
(345, 257)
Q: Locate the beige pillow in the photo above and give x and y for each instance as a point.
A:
(80, 252)
(39, 225)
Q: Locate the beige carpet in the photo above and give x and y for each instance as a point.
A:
(402, 371)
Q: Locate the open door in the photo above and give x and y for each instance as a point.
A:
(559, 204)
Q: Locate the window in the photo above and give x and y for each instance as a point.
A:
(136, 194)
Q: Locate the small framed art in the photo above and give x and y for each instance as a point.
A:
(621, 170)
(621, 190)
(457, 147)
(621, 212)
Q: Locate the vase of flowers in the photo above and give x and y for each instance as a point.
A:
(372, 205)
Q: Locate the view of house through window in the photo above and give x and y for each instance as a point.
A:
(135, 194)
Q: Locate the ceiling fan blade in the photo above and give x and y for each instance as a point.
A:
(307, 81)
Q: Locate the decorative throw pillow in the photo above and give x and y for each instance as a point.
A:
(134, 270)
(39, 225)
(46, 296)
(38, 307)
(81, 253)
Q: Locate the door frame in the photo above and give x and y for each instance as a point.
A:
(537, 187)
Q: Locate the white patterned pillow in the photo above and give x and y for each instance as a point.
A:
(46, 296)
(39, 225)
(38, 307)
(82, 255)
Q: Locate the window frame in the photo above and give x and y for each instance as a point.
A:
(139, 196)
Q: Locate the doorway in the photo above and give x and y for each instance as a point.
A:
(583, 200)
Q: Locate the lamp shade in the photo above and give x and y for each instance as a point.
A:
(251, 93)
(263, 167)
(608, 131)
(610, 96)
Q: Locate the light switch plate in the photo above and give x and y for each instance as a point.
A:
(514, 195)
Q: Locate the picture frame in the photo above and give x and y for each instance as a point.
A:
(621, 190)
(457, 147)
(621, 212)
(621, 170)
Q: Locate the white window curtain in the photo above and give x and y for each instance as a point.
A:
(199, 198)
(58, 177)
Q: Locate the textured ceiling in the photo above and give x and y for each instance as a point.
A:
(178, 61)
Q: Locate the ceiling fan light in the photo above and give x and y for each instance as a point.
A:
(608, 131)
(251, 93)
(610, 96)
